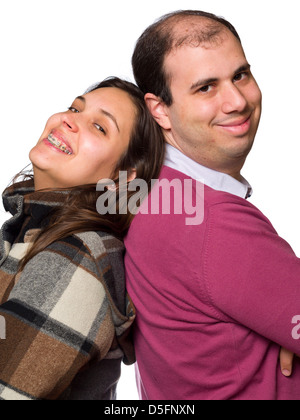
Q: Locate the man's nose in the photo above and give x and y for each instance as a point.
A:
(233, 100)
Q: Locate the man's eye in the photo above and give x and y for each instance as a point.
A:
(240, 76)
(205, 89)
(101, 129)
(74, 110)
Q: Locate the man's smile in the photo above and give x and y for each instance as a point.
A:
(238, 127)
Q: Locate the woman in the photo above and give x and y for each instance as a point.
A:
(62, 289)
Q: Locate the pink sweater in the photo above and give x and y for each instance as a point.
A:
(214, 303)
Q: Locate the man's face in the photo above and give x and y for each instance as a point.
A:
(216, 104)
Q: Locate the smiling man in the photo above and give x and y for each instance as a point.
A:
(215, 302)
(216, 103)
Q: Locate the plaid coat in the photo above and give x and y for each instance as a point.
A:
(67, 316)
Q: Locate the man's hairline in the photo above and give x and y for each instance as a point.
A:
(168, 74)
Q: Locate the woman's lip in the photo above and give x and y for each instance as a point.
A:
(47, 143)
(62, 138)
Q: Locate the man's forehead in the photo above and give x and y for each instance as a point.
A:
(195, 31)
(206, 60)
(192, 43)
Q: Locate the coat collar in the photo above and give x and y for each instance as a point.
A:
(22, 201)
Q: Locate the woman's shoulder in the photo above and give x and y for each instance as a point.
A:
(94, 244)
(99, 243)
(90, 258)
(108, 254)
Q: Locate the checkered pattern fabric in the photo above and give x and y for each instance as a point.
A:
(67, 315)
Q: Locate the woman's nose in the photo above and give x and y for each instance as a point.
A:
(70, 123)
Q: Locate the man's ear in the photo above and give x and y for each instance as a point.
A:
(158, 110)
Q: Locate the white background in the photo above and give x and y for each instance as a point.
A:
(52, 50)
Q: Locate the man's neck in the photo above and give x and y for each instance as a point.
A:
(218, 180)
(232, 169)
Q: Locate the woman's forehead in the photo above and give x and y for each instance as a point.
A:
(113, 102)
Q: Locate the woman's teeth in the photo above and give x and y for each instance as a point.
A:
(58, 144)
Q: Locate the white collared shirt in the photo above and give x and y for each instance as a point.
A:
(216, 180)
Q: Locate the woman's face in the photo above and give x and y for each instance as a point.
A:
(84, 144)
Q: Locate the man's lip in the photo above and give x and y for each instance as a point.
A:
(235, 123)
(239, 127)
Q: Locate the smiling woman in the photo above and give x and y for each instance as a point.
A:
(84, 144)
(62, 286)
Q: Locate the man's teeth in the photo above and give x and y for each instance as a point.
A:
(58, 144)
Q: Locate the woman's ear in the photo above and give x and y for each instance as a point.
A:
(131, 175)
(158, 110)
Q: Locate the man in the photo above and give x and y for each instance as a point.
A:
(217, 300)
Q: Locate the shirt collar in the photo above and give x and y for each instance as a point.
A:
(216, 180)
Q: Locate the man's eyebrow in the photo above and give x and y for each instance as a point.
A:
(102, 111)
(245, 67)
(205, 82)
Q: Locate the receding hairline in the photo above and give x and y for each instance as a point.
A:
(170, 32)
(192, 30)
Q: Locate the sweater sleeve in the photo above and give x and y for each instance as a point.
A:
(252, 275)
(58, 319)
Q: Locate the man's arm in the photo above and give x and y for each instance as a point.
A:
(252, 274)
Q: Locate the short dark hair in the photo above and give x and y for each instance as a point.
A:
(160, 39)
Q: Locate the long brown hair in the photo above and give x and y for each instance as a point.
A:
(78, 213)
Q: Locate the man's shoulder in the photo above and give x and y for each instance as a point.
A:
(175, 181)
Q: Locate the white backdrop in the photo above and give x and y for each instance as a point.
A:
(52, 50)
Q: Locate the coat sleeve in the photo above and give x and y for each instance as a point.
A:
(58, 319)
(252, 274)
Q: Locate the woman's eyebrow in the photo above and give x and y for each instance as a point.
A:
(81, 98)
(109, 115)
(102, 111)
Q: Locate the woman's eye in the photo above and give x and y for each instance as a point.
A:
(101, 129)
(74, 110)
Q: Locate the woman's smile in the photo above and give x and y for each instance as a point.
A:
(59, 143)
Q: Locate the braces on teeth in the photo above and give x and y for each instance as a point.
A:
(58, 144)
